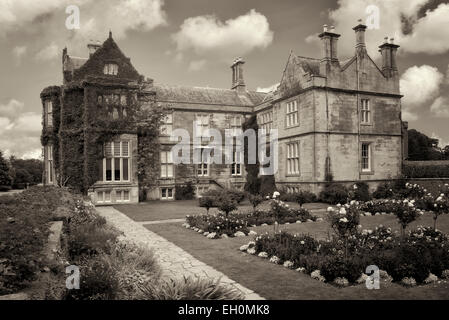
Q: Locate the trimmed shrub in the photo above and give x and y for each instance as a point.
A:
(425, 171)
(300, 197)
(334, 194)
(361, 192)
(185, 192)
(384, 191)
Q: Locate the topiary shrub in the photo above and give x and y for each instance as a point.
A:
(361, 192)
(334, 194)
(185, 192)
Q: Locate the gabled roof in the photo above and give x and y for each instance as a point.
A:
(309, 65)
(203, 95)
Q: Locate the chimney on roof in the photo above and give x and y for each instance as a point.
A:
(388, 51)
(92, 47)
(359, 29)
(238, 82)
(329, 43)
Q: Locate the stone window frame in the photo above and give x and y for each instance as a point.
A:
(235, 124)
(370, 162)
(236, 166)
(366, 112)
(112, 156)
(266, 120)
(293, 156)
(203, 168)
(292, 114)
(167, 124)
(49, 113)
(120, 195)
(110, 69)
(103, 196)
(202, 123)
(50, 173)
(167, 190)
(166, 160)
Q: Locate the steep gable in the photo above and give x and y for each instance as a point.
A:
(109, 52)
(293, 77)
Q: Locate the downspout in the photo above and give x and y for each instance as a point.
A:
(358, 115)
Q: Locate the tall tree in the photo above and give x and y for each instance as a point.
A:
(422, 147)
(5, 178)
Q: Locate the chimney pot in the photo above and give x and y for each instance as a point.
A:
(325, 28)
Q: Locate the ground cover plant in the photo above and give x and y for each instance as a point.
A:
(24, 223)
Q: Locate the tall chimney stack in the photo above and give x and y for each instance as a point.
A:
(329, 48)
(388, 51)
(359, 29)
(92, 47)
(238, 81)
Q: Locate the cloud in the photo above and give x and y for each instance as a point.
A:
(197, 65)
(19, 131)
(11, 109)
(48, 53)
(429, 35)
(415, 31)
(206, 35)
(440, 107)
(409, 116)
(419, 85)
(268, 89)
(46, 20)
(18, 52)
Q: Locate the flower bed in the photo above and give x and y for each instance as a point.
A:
(421, 257)
(416, 257)
(236, 225)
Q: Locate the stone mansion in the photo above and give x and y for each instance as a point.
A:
(335, 118)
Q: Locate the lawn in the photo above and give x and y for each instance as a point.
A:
(275, 282)
(164, 210)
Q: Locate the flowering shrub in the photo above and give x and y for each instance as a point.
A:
(406, 212)
(218, 224)
(422, 254)
(345, 219)
(300, 197)
(360, 192)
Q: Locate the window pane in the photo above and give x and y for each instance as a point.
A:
(108, 150)
(125, 148)
(108, 169)
(170, 170)
(117, 169)
(163, 157)
(170, 192)
(164, 192)
(125, 169)
(116, 147)
(125, 195)
(163, 170)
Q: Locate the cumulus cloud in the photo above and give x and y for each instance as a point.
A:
(207, 35)
(19, 131)
(430, 34)
(440, 107)
(46, 20)
(268, 89)
(419, 85)
(400, 19)
(48, 53)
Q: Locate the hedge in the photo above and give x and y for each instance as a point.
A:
(420, 170)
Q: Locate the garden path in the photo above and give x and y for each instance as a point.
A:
(174, 261)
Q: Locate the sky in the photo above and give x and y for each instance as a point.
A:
(193, 42)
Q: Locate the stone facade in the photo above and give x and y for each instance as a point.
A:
(338, 120)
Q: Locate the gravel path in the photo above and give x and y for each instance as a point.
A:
(174, 261)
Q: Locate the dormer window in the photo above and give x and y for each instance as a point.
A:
(110, 69)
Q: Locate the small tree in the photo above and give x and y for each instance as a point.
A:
(227, 204)
(206, 202)
(406, 212)
(255, 200)
(441, 206)
(5, 178)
